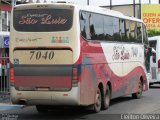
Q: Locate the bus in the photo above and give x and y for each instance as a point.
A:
(63, 54)
(154, 43)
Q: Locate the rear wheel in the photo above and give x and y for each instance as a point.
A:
(98, 101)
(106, 98)
(138, 94)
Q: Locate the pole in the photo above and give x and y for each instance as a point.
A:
(0, 16)
(134, 8)
(159, 1)
(13, 3)
(140, 9)
(87, 2)
(149, 1)
(110, 4)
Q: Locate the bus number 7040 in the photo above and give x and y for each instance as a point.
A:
(41, 55)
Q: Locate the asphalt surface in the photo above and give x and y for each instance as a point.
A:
(123, 108)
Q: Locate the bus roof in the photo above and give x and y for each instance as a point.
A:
(94, 9)
(154, 38)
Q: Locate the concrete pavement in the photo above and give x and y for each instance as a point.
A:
(9, 106)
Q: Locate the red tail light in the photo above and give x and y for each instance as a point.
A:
(75, 77)
(12, 76)
(158, 63)
(75, 73)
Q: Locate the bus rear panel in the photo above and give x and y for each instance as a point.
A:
(43, 55)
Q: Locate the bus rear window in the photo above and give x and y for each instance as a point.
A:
(42, 20)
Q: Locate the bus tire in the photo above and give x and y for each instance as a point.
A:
(138, 94)
(98, 101)
(106, 98)
(41, 108)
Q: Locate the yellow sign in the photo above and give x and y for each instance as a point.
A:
(151, 16)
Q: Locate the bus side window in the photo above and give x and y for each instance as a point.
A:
(116, 29)
(139, 32)
(91, 27)
(124, 30)
(145, 37)
(133, 31)
(127, 30)
(96, 26)
(108, 28)
(84, 25)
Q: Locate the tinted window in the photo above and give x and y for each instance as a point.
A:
(108, 28)
(133, 31)
(96, 27)
(92, 27)
(124, 30)
(84, 24)
(139, 32)
(43, 20)
(145, 38)
(116, 29)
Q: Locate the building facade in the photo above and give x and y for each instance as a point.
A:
(5, 13)
(127, 9)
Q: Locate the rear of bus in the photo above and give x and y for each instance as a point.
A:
(44, 50)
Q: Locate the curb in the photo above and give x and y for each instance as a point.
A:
(10, 106)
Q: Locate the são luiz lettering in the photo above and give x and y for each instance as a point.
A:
(44, 20)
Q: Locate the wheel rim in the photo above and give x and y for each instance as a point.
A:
(98, 99)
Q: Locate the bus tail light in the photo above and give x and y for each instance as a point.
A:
(159, 65)
(75, 77)
(12, 76)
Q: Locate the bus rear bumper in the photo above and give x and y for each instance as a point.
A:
(69, 98)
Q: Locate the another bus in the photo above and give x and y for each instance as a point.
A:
(63, 54)
(154, 43)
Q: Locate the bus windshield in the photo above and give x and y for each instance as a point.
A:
(43, 20)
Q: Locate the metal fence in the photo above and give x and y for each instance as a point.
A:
(4, 75)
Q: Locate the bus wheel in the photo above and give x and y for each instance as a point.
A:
(41, 108)
(138, 94)
(98, 101)
(106, 98)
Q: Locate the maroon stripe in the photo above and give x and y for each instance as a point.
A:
(43, 81)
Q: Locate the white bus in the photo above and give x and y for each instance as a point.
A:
(65, 54)
(154, 42)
